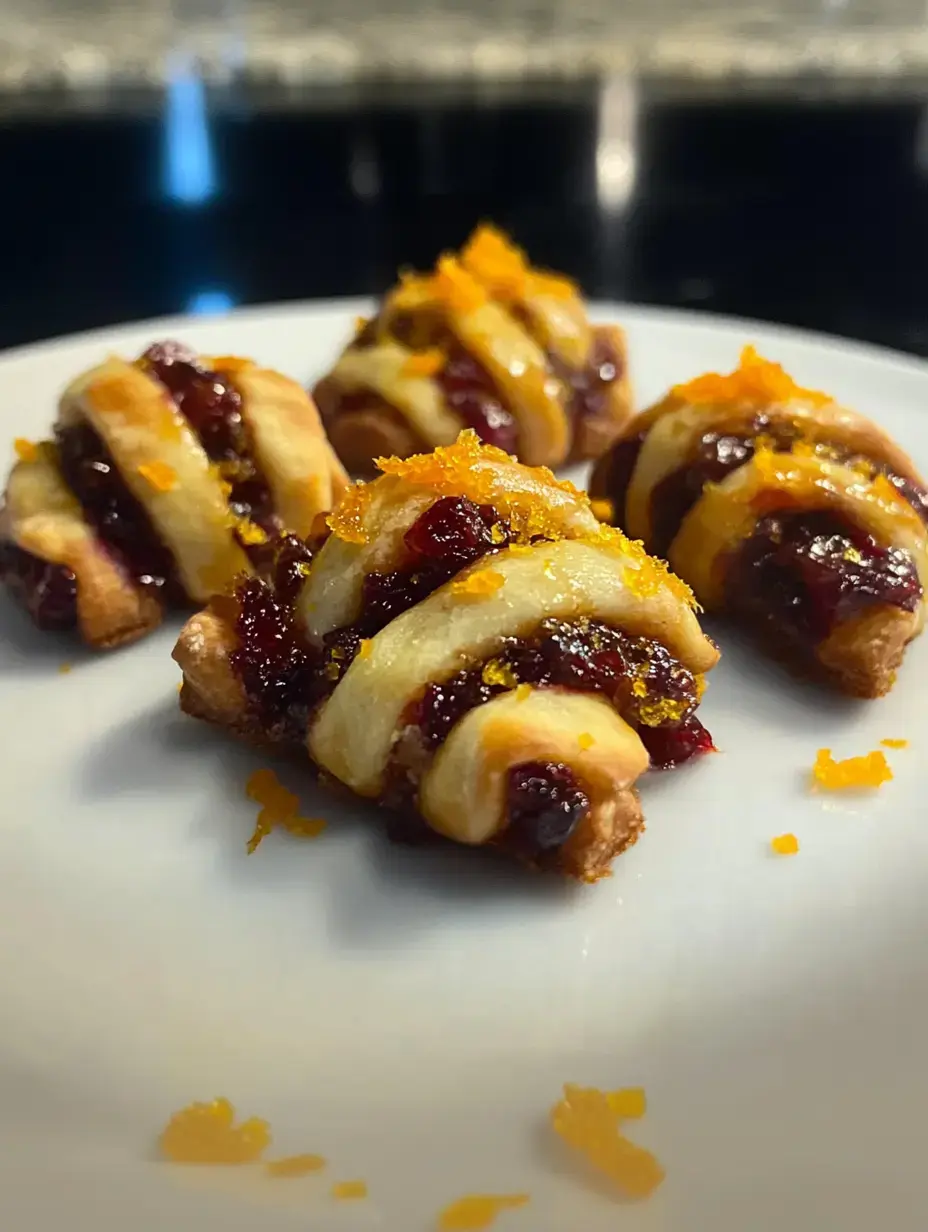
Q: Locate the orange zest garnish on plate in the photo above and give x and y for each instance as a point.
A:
(474, 1212)
(852, 774)
(785, 844)
(348, 1190)
(280, 808)
(628, 1104)
(294, 1165)
(894, 744)
(207, 1134)
(586, 1121)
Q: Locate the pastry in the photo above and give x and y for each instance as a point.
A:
(472, 647)
(797, 517)
(484, 342)
(165, 479)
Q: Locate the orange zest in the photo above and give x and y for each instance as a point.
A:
(785, 845)
(497, 672)
(207, 1134)
(475, 1212)
(628, 1104)
(503, 268)
(756, 381)
(25, 450)
(279, 808)
(603, 509)
(894, 744)
(348, 1190)
(852, 774)
(585, 741)
(454, 287)
(294, 1165)
(424, 363)
(587, 1122)
(478, 585)
(159, 476)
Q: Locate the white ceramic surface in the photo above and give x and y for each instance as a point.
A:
(412, 1015)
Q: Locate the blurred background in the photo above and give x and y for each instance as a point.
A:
(763, 160)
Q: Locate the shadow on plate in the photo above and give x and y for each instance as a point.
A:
(26, 650)
(378, 892)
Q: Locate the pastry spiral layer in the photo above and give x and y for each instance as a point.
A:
(165, 479)
(485, 342)
(798, 517)
(470, 646)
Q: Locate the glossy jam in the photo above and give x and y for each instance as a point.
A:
(213, 407)
(278, 670)
(450, 534)
(590, 386)
(122, 523)
(614, 474)
(47, 592)
(801, 574)
(470, 392)
(639, 676)
(544, 804)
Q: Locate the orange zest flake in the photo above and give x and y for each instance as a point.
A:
(785, 845)
(159, 476)
(585, 741)
(496, 263)
(361, 324)
(279, 808)
(207, 1134)
(26, 451)
(889, 743)
(424, 363)
(495, 672)
(249, 533)
(585, 1120)
(347, 1190)
(346, 521)
(522, 692)
(603, 509)
(454, 287)
(365, 647)
(475, 1212)
(628, 1104)
(479, 585)
(852, 774)
(756, 381)
(295, 1165)
(662, 710)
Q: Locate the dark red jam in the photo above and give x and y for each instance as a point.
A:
(451, 534)
(213, 407)
(470, 392)
(614, 472)
(124, 526)
(671, 746)
(800, 574)
(545, 804)
(48, 592)
(590, 386)
(639, 676)
(278, 670)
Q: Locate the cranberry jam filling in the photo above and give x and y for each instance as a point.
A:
(213, 407)
(470, 392)
(92, 475)
(800, 574)
(648, 687)
(545, 804)
(48, 592)
(589, 386)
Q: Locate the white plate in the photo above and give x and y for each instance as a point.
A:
(412, 1015)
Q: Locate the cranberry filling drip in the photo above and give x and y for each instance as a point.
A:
(800, 574)
(545, 804)
(639, 676)
(48, 592)
(470, 392)
(589, 386)
(92, 475)
(671, 746)
(213, 407)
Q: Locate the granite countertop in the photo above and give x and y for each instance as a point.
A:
(89, 43)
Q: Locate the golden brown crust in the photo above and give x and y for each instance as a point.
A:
(864, 652)
(604, 833)
(373, 431)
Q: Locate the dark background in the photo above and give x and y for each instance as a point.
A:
(808, 208)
